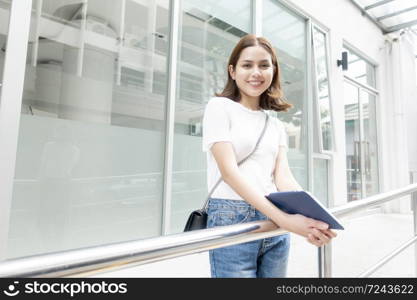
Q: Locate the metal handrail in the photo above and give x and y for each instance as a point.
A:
(97, 259)
(358, 205)
(93, 260)
(324, 257)
(387, 258)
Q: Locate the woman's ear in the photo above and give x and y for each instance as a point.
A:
(231, 72)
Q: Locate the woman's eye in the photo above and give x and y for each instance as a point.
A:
(265, 66)
(246, 65)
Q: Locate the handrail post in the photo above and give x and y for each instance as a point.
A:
(325, 261)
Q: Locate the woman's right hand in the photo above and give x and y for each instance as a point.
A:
(316, 232)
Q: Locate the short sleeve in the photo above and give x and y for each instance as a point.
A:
(283, 137)
(216, 124)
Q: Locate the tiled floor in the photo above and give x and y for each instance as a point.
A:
(365, 241)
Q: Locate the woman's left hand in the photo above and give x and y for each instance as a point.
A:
(320, 237)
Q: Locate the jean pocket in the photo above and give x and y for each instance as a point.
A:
(230, 217)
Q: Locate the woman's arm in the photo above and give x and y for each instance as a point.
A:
(226, 161)
(284, 179)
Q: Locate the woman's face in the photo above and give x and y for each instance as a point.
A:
(254, 71)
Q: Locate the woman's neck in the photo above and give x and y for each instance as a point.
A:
(250, 103)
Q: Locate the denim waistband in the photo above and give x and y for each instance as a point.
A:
(229, 202)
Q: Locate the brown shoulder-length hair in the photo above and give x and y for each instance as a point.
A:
(272, 98)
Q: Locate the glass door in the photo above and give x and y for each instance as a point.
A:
(361, 142)
(352, 141)
(369, 144)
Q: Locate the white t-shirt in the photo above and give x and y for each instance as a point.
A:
(227, 120)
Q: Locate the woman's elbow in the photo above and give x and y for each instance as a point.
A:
(229, 176)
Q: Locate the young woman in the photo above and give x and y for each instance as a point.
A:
(233, 121)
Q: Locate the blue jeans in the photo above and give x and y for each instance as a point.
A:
(264, 258)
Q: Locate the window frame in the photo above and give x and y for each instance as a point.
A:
(318, 134)
(319, 153)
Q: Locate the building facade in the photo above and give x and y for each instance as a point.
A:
(102, 104)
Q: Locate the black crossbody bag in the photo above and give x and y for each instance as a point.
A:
(198, 218)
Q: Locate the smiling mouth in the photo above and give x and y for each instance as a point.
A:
(255, 83)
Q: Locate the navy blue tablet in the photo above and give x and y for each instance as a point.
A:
(301, 202)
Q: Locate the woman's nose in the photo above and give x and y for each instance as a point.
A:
(256, 71)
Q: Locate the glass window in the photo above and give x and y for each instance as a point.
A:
(209, 30)
(322, 88)
(287, 33)
(93, 117)
(359, 69)
(4, 28)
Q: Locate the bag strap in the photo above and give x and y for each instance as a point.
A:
(239, 163)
